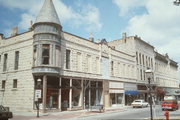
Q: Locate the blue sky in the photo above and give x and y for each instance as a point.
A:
(155, 21)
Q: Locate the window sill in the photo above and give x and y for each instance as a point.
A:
(2, 89)
(14, 89)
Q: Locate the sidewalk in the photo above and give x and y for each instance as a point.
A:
(68, 115)
(62, 115)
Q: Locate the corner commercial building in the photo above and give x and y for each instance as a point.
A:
(71, 72)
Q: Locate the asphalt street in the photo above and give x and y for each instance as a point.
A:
(127, 112)
(132, 113)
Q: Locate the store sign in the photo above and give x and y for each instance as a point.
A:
(177, 91)
(116, 85)
(142, 87)
(128, 86)
(37, 94)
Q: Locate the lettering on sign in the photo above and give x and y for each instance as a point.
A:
(37, 94)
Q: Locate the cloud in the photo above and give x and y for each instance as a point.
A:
(25, 21)
(86, 15)
(89, 19)
(126, 6)
(159, 25)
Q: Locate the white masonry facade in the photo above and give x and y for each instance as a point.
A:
(63, 71)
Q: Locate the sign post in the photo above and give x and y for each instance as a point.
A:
(37, 96)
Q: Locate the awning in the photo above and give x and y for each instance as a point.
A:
(131, 92)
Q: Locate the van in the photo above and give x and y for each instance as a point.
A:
(170, 103)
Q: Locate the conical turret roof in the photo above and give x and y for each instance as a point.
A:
(48, 13)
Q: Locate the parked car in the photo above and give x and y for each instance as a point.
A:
(169, 103)
(4, 113)
(139, 103)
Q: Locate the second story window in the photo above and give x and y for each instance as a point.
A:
(16, 63)
(68, 59)
(79, 61)
(45, 54)
(15, 83)
(140, 58)
(89, 66)
(112, 68)
(5, 62)
(97, 65)
(35, 55)
(137, 57)
(143, 59)
(3, 84)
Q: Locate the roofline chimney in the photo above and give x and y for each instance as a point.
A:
(91, 37)
(14, 31)
(1, 36)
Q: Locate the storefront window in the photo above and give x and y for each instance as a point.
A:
(76, 92)
(116, 98)
(52, 92)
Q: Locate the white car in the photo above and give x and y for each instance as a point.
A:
(139, 103)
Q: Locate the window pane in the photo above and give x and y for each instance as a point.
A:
(16, 64)
(5, 62)
(45, 54)
(68, 59)
(3, 84)
(15, 83)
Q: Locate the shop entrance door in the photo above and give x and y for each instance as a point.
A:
(52, 98)
(64, 99)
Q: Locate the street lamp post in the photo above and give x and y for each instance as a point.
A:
(149, 76)
(177, 2)
(37, 96)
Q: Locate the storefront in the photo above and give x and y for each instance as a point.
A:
(131, 93)
(173, 91)
(62, 94)
(143, 92)
(93, 93)
(116, 91)
(71, 94)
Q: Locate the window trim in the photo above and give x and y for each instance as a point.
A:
(5, 62)
(16, 61)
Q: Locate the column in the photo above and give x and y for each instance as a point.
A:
(89, 93)
(59, 102)
(70, 95)
(123, 100)
(44, 92)
(39, 55)
(81, 95)
(97, 95)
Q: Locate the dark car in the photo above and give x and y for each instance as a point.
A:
(4, 113)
